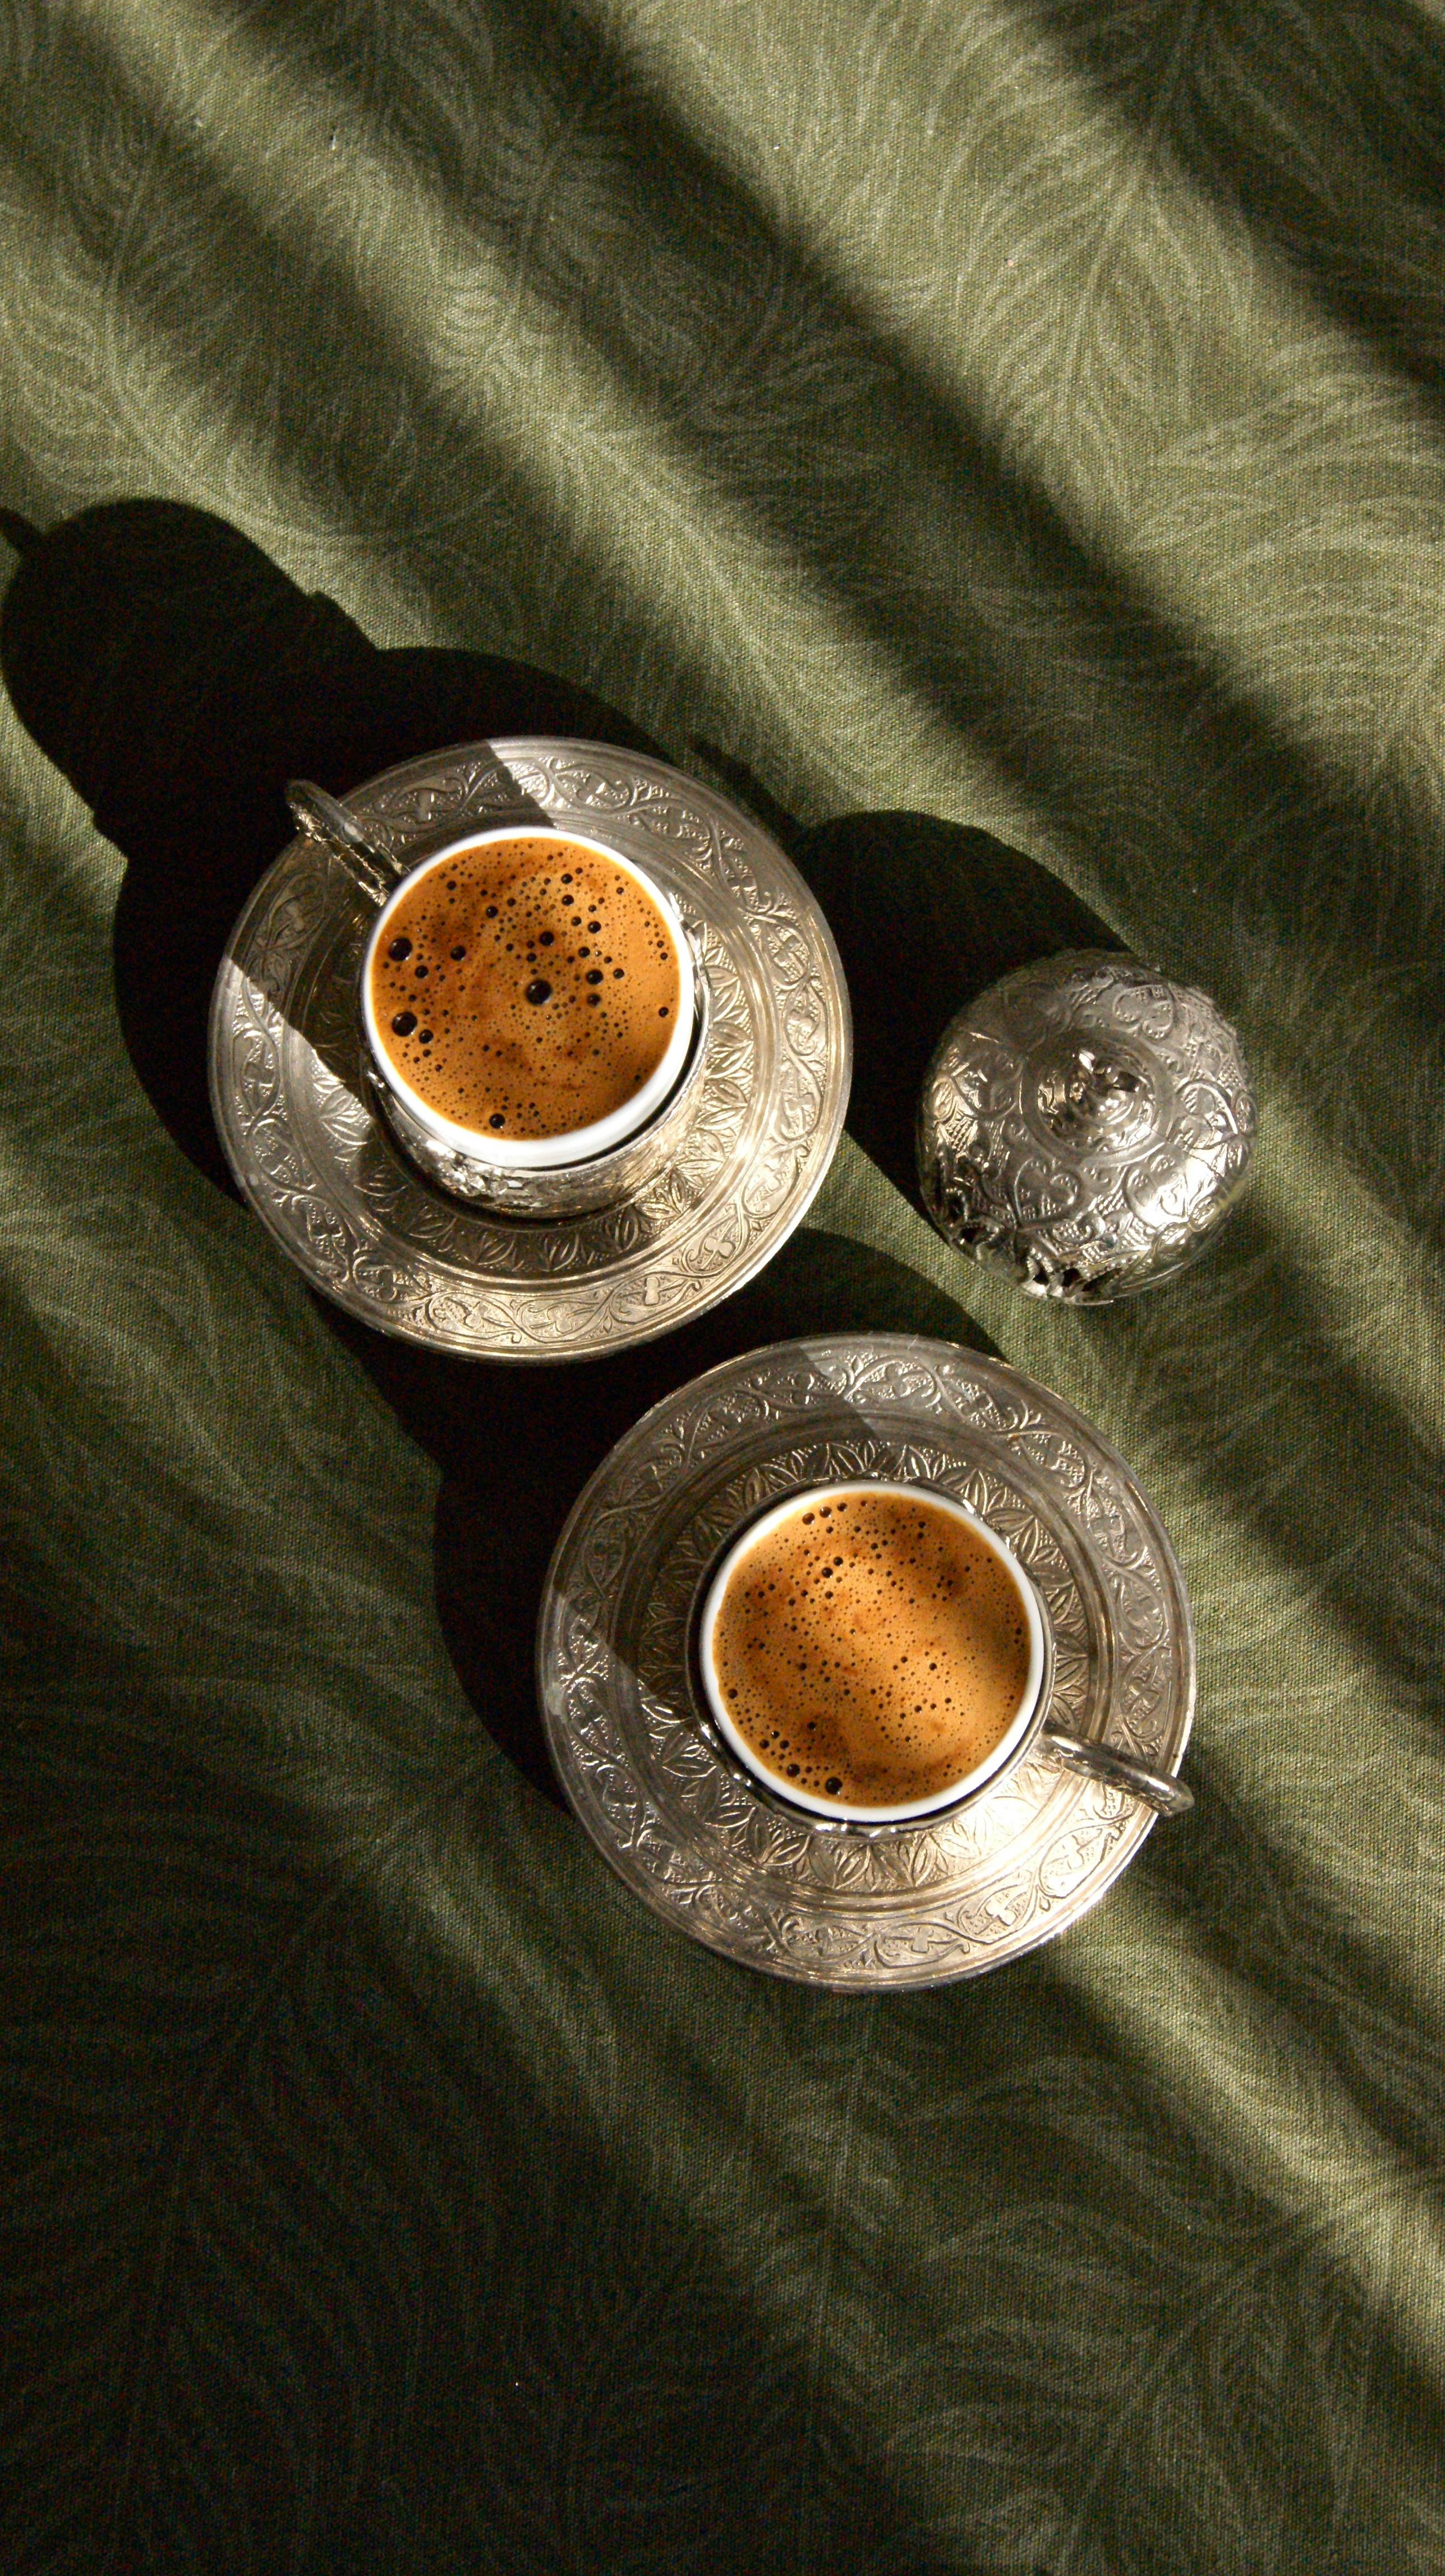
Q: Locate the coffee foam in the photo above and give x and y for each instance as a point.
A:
(526, 988)
(872, 1649)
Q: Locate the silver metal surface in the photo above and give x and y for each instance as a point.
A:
(1086, 1126)
(322, 818)
(908, 1905)
(318, 1165)
(1168, 1797)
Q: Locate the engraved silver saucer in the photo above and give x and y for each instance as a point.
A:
(912, 1905)
(324, 1174)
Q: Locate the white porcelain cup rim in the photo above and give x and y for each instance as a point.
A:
(1010, 1744)
(577, 1144)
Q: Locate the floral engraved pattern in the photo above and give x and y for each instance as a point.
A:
(327, 1177)
(1086, 1125)
(691, 1834)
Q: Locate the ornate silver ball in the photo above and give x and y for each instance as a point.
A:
(1085, 1126)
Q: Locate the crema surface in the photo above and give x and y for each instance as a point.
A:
(871, 1649)
(526, 987)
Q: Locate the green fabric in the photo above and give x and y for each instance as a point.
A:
(1021, 412)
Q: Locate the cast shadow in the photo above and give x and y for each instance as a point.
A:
(926, 914)
(178, 678)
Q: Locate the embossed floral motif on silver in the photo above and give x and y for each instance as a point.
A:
(1086, 1126)
(887, 1907)
(321, 1168)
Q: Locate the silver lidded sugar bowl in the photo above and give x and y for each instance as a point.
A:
(1086, 1126)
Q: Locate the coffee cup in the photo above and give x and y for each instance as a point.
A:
(873, 1654)
(534, 1011)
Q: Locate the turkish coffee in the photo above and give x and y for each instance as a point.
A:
(526, 987)
(870, 1648)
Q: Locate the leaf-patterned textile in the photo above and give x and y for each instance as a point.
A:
(1005, 441)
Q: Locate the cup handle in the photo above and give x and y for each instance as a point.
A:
(373, 870)
(1167, 1796)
